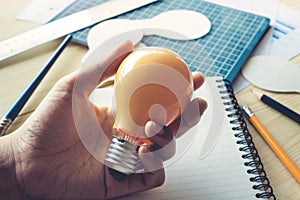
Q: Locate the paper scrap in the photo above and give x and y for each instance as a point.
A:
(287, 43)
(288, 46)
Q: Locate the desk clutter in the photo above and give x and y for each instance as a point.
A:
(222, 52)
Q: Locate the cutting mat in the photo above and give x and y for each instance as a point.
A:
(222, 52)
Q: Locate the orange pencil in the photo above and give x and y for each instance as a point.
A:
(285, 159)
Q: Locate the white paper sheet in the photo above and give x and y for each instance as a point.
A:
(287, 46)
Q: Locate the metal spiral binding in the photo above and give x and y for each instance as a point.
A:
(260, 181)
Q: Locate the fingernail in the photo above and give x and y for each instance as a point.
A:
(153, 128)
(196, 73)
(145, 150)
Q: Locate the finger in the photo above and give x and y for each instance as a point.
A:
(152, 128)
(151, 162)
(137, 182)
(198, 79)
(146, 181)
(159, 135)
(189, 118)
(163, 139)
(89, 77)
(168, 151)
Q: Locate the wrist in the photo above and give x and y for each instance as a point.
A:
(8, 182)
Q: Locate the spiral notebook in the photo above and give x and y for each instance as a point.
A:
(216, 159)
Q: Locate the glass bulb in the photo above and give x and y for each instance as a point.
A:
(151, 84)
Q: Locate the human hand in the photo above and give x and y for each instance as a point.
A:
(58, 152)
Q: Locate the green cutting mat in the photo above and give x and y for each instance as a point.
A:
(222, 52)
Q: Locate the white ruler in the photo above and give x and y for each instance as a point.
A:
(67, 25)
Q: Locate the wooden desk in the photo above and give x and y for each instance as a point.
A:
(17, 72)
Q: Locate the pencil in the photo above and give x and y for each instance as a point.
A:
(15, 109)
(277, 106)
(285, 159)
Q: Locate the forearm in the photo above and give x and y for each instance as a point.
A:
(8, 184)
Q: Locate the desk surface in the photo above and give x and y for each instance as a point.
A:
(17, 72)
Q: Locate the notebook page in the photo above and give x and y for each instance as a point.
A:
(219, 175)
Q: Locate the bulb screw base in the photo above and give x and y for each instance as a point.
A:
(122, 156)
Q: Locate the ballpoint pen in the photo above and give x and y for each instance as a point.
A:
(277, 106)
(15, 109)
(285, 159)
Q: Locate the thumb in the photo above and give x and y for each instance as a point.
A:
(93, 73)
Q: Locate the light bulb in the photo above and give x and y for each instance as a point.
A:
(152, 83)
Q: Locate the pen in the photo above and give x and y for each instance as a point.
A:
(15, 109)
(277, 106)
(285, 159)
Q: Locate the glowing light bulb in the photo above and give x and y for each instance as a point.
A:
(154, 84)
